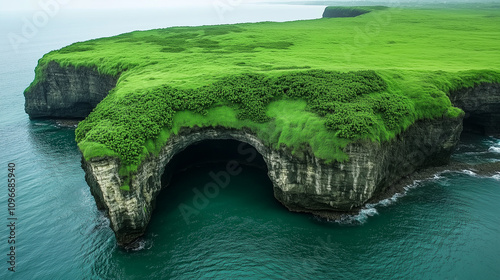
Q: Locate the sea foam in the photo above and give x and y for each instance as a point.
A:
(494, 149)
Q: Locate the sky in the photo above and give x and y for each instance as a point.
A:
(8, 5)
(12, 5)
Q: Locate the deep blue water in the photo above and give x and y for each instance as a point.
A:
(446, 227)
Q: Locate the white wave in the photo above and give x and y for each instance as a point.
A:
(475, 153)
(468, 172)
(140, 244)
(360, 218)
(494, 139)
(369, 212)
(413, 185)
(391, 200)
(438, 176)
(494, 149)
(370, 209)
(385, 202)
(396, 196)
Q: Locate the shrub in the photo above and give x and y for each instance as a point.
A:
(123, 124)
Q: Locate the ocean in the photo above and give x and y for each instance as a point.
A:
(444, 227)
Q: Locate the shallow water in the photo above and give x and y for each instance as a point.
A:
(446, 227)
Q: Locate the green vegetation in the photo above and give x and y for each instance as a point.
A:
(316, 84)
(122, 125)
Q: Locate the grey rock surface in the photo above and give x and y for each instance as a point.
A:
(305, 184)
(67, 92)
(301, 182)
(481, 105)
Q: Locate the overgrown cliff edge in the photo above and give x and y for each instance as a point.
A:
(332, 133)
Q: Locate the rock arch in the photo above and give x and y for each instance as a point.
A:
(130, 211)
(302, 184)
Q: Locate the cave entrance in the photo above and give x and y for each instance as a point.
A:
(471, 125)
(483, 124)
(211, 173)
(230, 152)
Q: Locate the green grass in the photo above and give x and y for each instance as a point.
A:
(317, 84)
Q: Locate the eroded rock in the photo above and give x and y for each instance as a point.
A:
(67, 92)
(304, 184)
(481, 105)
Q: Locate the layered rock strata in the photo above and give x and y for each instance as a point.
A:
(67, 92)
(301, 181)
(304, 183)
(481, 105)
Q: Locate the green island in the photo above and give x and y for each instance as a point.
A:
(311, 84)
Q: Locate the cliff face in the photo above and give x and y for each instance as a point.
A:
(303, 184)
(67, 92)
(311, 186)
(482, 107)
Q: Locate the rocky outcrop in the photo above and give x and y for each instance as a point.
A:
(67, 92)
(341, 12)
(303, 183)
(310, 186)
(481, 105)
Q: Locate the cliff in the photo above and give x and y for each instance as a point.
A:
(481, 105)
(350, 11)
(301, 184)
(67, 92)
(346, 134)
(304, 184)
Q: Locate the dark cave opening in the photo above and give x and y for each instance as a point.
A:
(483, 124)
(204, 153)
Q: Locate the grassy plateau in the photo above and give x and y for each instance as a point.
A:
(312, 84)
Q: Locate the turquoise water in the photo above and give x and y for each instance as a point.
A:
(446, 227)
